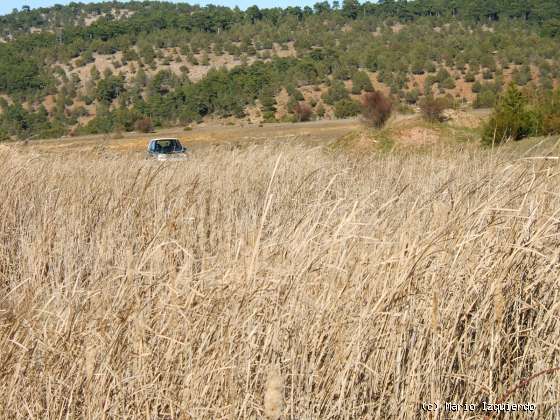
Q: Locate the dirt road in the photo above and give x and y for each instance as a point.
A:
(204, 136)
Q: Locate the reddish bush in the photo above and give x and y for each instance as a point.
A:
(302, 111)
(376, 109)
(144, 125)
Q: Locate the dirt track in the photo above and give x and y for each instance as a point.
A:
(204, 136)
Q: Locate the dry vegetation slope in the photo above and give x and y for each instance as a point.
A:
(266, 280)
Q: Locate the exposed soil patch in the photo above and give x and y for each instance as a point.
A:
(472, 119)
(49, 103)
(417, 136)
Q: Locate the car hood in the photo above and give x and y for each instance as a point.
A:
(171, 156)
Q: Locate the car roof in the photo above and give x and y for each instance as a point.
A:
(165, 139)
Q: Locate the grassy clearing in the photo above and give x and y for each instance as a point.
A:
(278, 280)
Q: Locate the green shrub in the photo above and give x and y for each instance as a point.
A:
(470, 77)
(341, 73)
(548, 108)
(294, 92)
(335, 93)
(291, 105)
(404, 109)
(476, 87)
(487, 75)
(412, 96)
(522, 76)
(430, 67)
(485, 99)
(109, 88)
(268, 100)
(432, 108)
(546, 83)
(417, 67)
(360, 82)
(511, 118)
(442, 75)
(346, 108)
(57, 130)
(268, 117)
(447, 83)
(4, 134)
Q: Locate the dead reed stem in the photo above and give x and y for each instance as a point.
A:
(243, 285)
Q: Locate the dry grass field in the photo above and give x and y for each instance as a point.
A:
(279, 281)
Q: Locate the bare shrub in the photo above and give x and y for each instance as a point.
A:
(144, 125)
(376, 109)
(302, 112)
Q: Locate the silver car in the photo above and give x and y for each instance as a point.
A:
(167, 149)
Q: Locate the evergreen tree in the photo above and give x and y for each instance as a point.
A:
(510, 120)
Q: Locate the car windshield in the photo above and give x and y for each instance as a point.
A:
(167, 146)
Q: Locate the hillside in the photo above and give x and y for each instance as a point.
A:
(98, 68)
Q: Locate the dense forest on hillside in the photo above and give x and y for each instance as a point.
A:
(97, 68)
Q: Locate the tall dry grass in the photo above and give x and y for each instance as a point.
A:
(280, 281)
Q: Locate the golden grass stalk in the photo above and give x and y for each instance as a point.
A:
(273, 398)
(132, 289)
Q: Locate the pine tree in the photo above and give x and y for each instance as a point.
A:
(510, 120)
